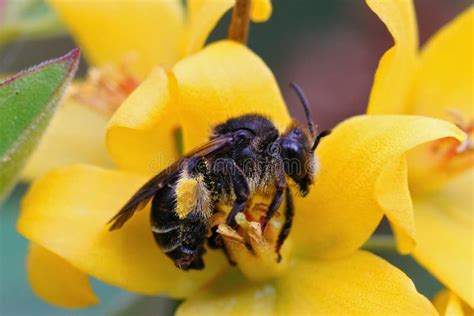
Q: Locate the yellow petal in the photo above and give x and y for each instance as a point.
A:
(232, 294)
(445, 79)
(395, 72)
(222, 81)
(203, 16)
(393, 195)
(345, 204)
(361, 284)
(448, 304)
(66, 212)
(68, 141)
(108, 31)
(58, 282)
(444, 223)
(141, 133)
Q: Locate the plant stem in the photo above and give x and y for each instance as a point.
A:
(240, 22)
(381, 243)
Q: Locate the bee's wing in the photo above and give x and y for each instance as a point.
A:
(212, 147)
(144, 194)
(149, 189)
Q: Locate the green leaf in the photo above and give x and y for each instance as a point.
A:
(27, 103)
(28, 18)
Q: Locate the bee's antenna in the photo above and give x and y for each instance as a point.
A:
(306, 107)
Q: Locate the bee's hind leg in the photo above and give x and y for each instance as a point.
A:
(241, 191)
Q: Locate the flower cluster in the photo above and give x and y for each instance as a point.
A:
(402, 160)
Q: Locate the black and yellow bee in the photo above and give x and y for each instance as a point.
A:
(244, 156)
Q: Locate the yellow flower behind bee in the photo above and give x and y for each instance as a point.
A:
(437, 81)
(65, 213)
(124, 40)
(448, 304)
(154, 32)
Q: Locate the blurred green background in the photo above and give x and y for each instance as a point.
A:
(331, 48)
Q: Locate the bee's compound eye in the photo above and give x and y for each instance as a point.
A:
(242, 134)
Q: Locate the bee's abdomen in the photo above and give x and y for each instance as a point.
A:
(165, 223)
(179, 239)
(188, 255)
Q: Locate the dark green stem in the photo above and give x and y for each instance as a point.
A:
(381, 243)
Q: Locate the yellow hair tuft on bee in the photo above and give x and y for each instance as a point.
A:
(187, 194)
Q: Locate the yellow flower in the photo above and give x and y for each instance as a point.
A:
(123, 40)
(64, 214)
(437, 81)
(448, 304)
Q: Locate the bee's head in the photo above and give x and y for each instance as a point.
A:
(298, 144)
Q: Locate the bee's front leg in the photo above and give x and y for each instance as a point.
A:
(280, 185)
(285, 230)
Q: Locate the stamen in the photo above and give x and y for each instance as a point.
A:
(435, 163)
(242, 220)
(467, 127)
(448, 149)
(252, 250)
(229, 234)
(105, 88)
(254, 254)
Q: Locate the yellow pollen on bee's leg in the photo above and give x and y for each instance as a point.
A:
(186, 196)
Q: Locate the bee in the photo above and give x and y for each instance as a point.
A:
(245, 155)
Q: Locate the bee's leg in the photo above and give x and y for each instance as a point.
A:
(241, 191)
(213, 240)
(285, 230)
(280, 185)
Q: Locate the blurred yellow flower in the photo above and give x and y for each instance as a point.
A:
(65, 213)
(437, 81)
(123, 40)
(448, 304)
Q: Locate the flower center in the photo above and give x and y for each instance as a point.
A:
(432, 164)
(255, 252)
(105, 88)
